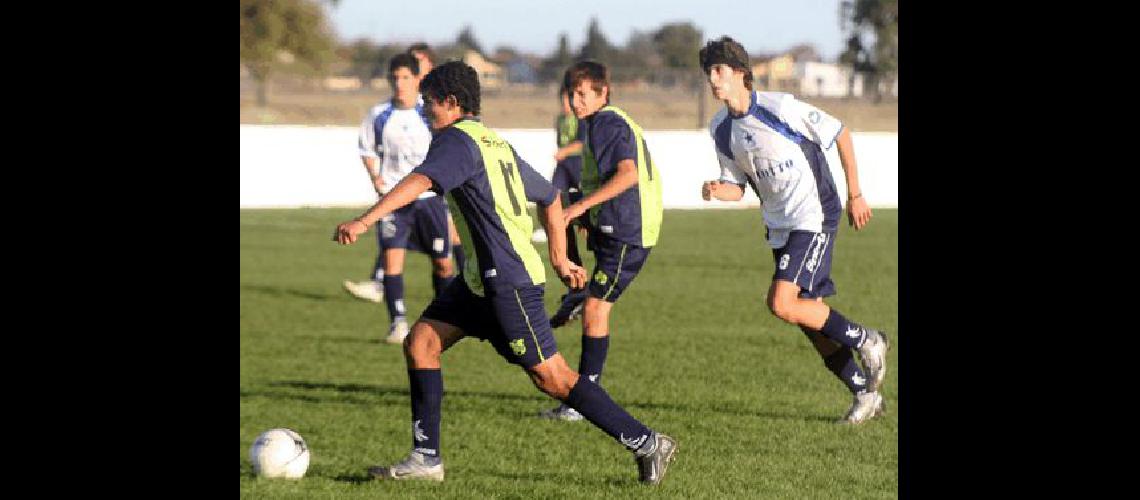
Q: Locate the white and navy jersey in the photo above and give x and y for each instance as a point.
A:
(398, 138)
(777, 148)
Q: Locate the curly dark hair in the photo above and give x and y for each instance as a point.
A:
(453, 78)
(725, 50)
(595, 72)
(404, 61)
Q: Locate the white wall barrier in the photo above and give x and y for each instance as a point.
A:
(295, 166)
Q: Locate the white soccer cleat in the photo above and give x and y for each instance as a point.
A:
(874, 354)
(562, 412)
(397, 332)
(866, 406)
(412, 467)
(370, 290)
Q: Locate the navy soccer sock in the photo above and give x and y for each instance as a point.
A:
(427, 397)
(394, 295)
(378, 268)
(593, 358)
(596, 405)
(438, 283)
(842, 364)
(842, 330)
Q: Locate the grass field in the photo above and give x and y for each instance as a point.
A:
(694, 353)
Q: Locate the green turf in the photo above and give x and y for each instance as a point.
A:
(694, 353)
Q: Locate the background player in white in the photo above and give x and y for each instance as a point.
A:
(394, 140)
(774, 143)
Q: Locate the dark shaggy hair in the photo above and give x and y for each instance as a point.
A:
(725, 50)
(453, 79)
(595, 72)
(422, 47)
(404, 61)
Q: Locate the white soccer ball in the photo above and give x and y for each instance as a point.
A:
(279, 453)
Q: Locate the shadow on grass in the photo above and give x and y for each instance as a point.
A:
(292, 292)
(383, 390)
(403, 392)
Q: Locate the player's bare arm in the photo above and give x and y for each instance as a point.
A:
(858, 213)
(571, 274)
(404, 193)
(624, 178)
(723, 191)
(567, 150)
(371, 164)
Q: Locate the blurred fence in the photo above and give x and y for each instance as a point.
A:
(665, 100)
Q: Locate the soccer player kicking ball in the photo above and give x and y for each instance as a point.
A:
(621, 193)
(499, 295)
(774, 143)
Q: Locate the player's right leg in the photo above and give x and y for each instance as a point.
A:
(422, 349)
(442, 325)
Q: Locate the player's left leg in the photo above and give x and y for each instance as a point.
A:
(802, 277)
(432, 235)
(617, 264)
(527, 334)
(371, 289)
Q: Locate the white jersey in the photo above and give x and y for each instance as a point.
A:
(398, 138)
(777, 148)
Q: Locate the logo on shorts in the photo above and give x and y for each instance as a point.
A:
(606, 229)
(388, 228)
(784, 261)
(854, 332)
(518, 347)
(437, 245)
(601, 277)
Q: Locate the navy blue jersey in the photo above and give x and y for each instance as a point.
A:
(489, 184)
(634, 215)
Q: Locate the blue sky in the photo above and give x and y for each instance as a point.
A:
(533, 26)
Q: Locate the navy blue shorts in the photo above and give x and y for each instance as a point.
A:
(616, 265)
(806, 261)
(514, 321)
(420, 225)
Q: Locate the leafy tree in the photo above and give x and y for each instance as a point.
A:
(879, 18)
(597, 47)
(276, 33)
(678, 44)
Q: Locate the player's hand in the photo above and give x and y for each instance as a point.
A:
(572, 212)
(572, 275)
(858, 213)
(559, 156)
(708, 189)
(347, 232)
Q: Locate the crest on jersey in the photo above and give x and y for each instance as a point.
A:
(813, 117)
(518, 347)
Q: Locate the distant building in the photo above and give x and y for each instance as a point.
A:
(775, 73)
(817, 79)
(490, 74)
